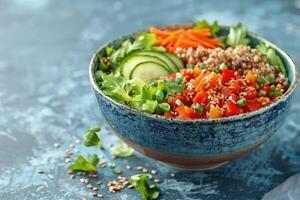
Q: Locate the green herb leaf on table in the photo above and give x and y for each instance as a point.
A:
(82, 164)
(272, 57)
(121, 150)
(91, 138)
(140, 183)
(237, 35)
(93, 159)
(214, 27)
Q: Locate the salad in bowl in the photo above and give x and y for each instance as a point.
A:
(193, 96)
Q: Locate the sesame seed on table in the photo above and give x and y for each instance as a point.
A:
(46, 103)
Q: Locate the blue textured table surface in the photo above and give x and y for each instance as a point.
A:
(46, 98)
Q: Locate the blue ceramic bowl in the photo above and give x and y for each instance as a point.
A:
(195, 144)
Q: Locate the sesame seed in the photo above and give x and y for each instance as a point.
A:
(139, 167)
(153, 172)
(128, 167)
(145, 170)
(68, 160)
(172, 175)
(40, 171)
(56, 145)
(90, 186)
(77, 141)
(157, 180)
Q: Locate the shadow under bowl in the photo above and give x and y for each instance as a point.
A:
(195, 144)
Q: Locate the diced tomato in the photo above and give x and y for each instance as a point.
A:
(266, 88)
(228, 74)
(215, 112)
(226, 91)
(252, 105)
(172, 101)
(185, 112)
(215, 79)
(234, 97)
(187, 73)
(236, 85)
(251, 93)
(169, 114)
(231, 109)
(201, 98)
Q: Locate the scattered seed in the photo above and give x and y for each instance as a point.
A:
(68, 160)
(130, 186)
(76, 150)
(139, 167)
(153, 172)
(40, 171)
(173, 175)
(157, 180)
(98, 183)
(128, 167)
(110, 145)
(72, 176)
(90, 186)
(56, 145)
(94, 194)
(82, 180)
(95, 188)
(100, 195)
(79, 173)
(83, 198)
(77, 141)
(72, 146)
(145, 170)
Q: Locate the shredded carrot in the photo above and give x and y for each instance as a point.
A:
(185, 38)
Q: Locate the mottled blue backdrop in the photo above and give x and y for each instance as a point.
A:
(45, 95)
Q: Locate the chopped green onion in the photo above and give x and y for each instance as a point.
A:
(217, 71)
(149, 106)
(241, 102)
(275, 93)
(190, 66)
(261, 80)
(179, 103)
(159, 95)
(263, 92)
(112, 164)
(223, 66)
(165, 107)
(198, 108)
(271, 79)
(202, 66)
(179, 78)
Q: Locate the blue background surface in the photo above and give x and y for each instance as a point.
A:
(45, 95)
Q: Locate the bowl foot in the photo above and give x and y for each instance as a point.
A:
(199, 167)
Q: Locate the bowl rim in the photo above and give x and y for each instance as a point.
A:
(242, 116)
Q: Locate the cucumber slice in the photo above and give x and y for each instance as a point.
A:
(176, 60)
(133, 60)
(162, 56)
(149, 71)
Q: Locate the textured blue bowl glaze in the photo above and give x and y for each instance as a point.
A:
(196, 144)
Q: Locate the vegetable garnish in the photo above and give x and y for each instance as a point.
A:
(140, 183)
(144, 41)
(184, 38)
(121, 150)
(272, 57)
(82, 164)
(91, 138)
(237, 36)
(203, 24)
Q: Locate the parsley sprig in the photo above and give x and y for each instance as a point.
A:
(140, 183)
